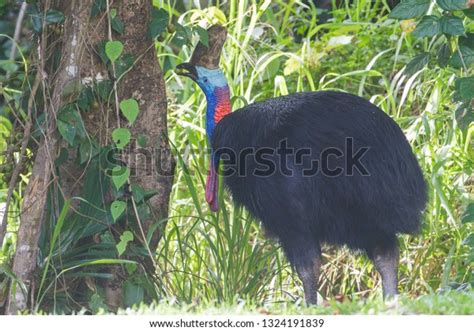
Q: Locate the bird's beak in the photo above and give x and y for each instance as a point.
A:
(187, 69)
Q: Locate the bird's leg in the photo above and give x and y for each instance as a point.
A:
(304, 253)
(309, 274)
(386, 262)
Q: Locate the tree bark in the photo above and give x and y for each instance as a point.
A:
(143, 82)
(35, 196)
(152, 166)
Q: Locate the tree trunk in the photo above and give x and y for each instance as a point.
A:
(35, 196)
(143, 82)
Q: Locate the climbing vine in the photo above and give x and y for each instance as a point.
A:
(445, 24)
(124, 205)
(97, 225)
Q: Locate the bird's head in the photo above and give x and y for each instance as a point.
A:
(209, 80)
(203, 67)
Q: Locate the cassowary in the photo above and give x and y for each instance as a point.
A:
(314, 167)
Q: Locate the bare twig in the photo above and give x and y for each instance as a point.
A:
(16, 35)
(109, 35)
(24, 144)
(142, 232)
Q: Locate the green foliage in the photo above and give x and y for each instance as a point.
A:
(88, 149)
(125, 238)
(410, 9)
(429, 26)
(121, 137)
(49, 18)
(349, 54)
(85, 99)
(451, 26)
(452, 4)
(56, 233)
(71, 256)
(469, 12)
(158, 23)
(115, 22)
(203, 36)
(138, 193)
(70, 124)
(468, 215)
(129, 109)
(133, 293)
(120, 176)
(98, 6)
(97, 304)
(417, 63)
(448, 303)
(113, 50)
(463, 57)
(54, 17)
(465, 88)
(183, 35)
(104, 89)
(443, 55)
(14, 76)
(117, 208)
(122, 65)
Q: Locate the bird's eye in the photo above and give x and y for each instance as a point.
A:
(205, 80)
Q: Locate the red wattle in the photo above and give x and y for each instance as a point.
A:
(223, 103)
(221, 109)
(212, 187)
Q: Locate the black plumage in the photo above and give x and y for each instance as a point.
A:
(269, 151)
(361, 211)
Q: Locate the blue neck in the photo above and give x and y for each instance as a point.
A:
(214, 85)
(210, 112)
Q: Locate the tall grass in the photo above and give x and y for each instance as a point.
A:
(275, 48)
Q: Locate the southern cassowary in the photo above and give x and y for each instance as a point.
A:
(314, 167)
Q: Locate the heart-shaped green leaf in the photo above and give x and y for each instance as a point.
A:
(67, 131)
(87, 150)
(120, 176)
(117, 25)
(417, 63)
(121, 137)
(443, 55)
(125, 238)
(452, 4)
(464, 56)
(131, 268)
(410, 9)
(158, 23)
(138, 193)
(70, 124)
(54, 17)
(129, 108)
(113, 49)
(203, 35)
(468, 215)
(428, 27)
(117, 208)
(469, 12)
(452, 25)
(465, 89)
